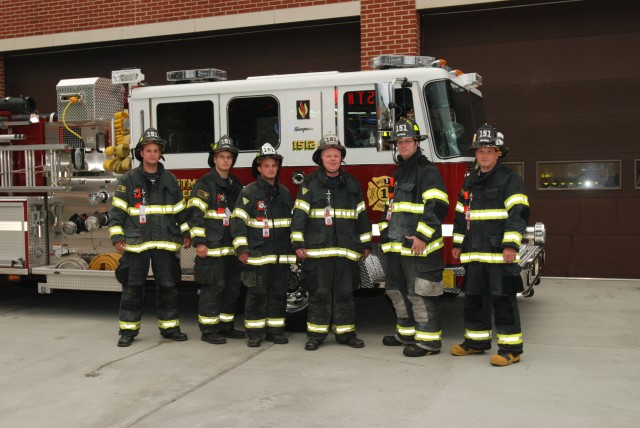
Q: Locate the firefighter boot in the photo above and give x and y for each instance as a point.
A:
(253, 342)
(463, 349)
(278, 339)
(177, 336)
(227, 330)
(504, 359)
(125, 340)
(312, 345)
(214, 338)
(394, 341)
(352, 342)
(417, 351)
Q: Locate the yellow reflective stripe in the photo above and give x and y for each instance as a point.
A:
(179, 206)
(365, 237)
(315, 328)
(273, 223)
(518, 198)
(164, 324)
(271, 259)
(396, 247)
(157, 209)
(275, 322)
(477, 334)
(197, 202)
(115, 230)
(424, 229)
(514, 237)
(383, 225)
(287, 259)
(117, 202)
(129, 325)
(484, 257)
(184, 227)
(489, 214)
(337, 213)
(240, 213)
(297, 237)
(405, 331)
(240, 241)
(226, 317)
(318, 253)
(459, 207)
(215, 215)
(220, 252)
(361, 207)
(302, 205)
(198, 231)
(435, 194)
(458, 238)
(509, 339)
(407, 207)
(255, 323)
(208, 320)
(160, 245)
(427, 336)
(339, 329)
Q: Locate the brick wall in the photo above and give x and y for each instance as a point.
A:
(388, 26)
(2, 85)
(23, 18)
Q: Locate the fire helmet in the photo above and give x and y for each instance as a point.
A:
(150, 135)
(224, 144)
(329, 140)
(407, 128)
(488, 136)
(266, 151)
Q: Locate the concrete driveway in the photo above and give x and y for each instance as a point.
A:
(60, 367)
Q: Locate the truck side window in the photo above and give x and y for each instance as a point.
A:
(254, 121)
(360, 119)
(187, 126)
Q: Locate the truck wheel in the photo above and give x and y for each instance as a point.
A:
(297, 302)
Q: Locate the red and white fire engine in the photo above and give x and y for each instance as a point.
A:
(57, 177)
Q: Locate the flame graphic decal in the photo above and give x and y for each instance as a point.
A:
(303, 109)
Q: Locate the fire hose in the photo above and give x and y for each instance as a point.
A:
(108, 261)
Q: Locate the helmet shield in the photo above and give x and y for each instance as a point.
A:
(329, 140)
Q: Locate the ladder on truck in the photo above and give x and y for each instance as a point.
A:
(52, 171)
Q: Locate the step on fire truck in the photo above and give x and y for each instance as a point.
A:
(57, 175)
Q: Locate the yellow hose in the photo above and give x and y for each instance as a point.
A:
(72, 100)
(108, 261)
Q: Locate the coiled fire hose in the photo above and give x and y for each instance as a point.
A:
(108, 261)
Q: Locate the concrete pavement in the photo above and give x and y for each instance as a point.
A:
(60, 367)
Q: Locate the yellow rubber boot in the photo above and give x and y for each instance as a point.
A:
(462, 350)
(504, 359)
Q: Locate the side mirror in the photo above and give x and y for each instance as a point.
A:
(384, 112)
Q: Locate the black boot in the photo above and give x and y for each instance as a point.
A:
(125, 340)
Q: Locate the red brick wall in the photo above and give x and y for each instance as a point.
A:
(22, 18)
(2, 86)
(388, 26)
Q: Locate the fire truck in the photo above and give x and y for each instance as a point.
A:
(58, 171)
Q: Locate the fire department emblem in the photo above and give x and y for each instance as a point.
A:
(378, 192)
(303, 109)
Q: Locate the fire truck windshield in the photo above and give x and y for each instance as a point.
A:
(454, 114)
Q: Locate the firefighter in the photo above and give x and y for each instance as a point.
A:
(330, 233)
(491, 217)
(216, 269)
(260, 227)
(148, 222)
(411, 233)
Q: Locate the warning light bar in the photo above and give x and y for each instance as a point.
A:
(198, 75)
(132, 75)
(401, 61)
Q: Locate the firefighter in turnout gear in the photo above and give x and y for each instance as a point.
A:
(491, 216)
(148, 221)
(216, 269)
(260, 227)
(411, 233)
(330, 233)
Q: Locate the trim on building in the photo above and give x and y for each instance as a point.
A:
(187, 26)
